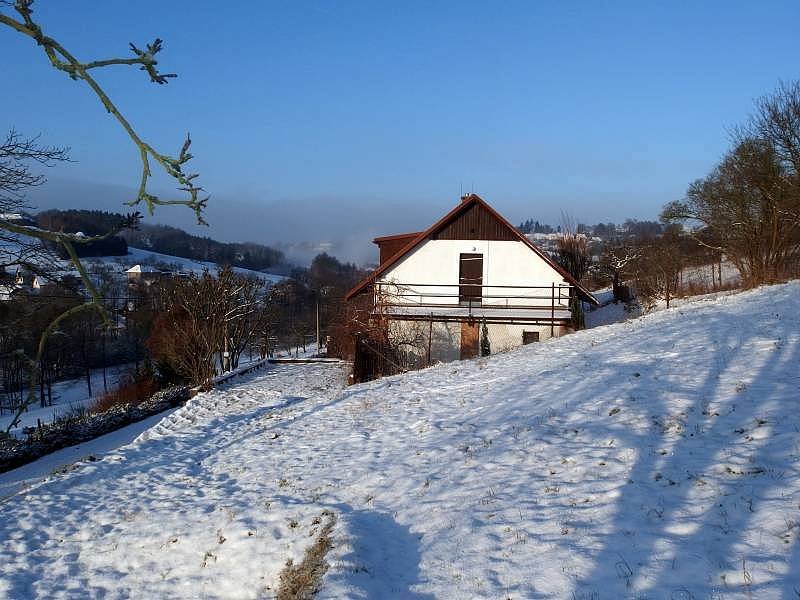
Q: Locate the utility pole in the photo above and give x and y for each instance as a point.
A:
(319, 347)
(226, 355)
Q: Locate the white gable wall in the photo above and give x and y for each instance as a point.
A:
(505, 263)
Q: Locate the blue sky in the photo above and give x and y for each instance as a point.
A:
(337, 121)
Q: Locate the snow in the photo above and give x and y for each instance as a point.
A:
(144, 259)
(138, 256)
(72, 394)
(68, 395)
(613, 312)
(13, 482)
(609, 311)
(655, 458)
(142, 269)
(702, 275)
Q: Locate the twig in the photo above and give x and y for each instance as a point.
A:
(61, 59)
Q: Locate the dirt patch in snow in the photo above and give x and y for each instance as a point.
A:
(302, 581)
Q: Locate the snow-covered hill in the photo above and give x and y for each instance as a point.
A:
(187, 265)
(656, 458)
(135, 256)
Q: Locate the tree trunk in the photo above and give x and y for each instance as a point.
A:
(41, 384)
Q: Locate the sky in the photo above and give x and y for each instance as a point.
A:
(322, 125)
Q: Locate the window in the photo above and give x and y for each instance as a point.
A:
(528, 337)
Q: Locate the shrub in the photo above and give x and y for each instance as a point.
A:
(133, 392)
(486, 348)
(183, 347)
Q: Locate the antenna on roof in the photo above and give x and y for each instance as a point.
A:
(460, 189)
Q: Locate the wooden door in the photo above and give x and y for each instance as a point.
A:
(470, 278)
(469, 339)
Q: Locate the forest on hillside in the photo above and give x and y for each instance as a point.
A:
(158, 238)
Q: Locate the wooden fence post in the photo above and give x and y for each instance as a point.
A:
(430, 337)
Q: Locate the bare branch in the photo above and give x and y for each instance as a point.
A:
(61, 59)
(15, 176)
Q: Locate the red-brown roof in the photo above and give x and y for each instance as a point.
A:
(396, 236)
(467, 203)
(390, 244)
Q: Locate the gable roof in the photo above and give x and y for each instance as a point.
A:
(505, 229)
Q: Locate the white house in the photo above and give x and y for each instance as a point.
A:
(143, 273)
(434, 289)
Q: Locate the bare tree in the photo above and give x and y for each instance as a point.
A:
(16, 177)
(616, 262)
(61, 59)
(379, 345)
(573, 255)
(749, 205)
(657, 268)
(18, 156)
(242, 313)
(777, 122)
(208, 322)
(573, 249)
(190, 332)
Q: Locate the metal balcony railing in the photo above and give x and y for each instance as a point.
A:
(543, 304)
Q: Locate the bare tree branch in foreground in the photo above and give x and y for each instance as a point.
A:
(63, 60)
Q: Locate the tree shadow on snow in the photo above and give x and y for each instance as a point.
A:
(382, 558)
(684, 522)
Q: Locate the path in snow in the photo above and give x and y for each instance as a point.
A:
(656, 458)
(148, 520)
(26, 476)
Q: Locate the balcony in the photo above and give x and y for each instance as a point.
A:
(534, 305)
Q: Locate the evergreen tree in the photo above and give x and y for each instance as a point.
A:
(486, 348)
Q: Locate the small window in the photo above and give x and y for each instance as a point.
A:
(528, 337)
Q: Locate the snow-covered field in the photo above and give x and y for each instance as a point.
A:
(67, 396)
(187, 265)
(73, 394)
(655, 458)
(702, 275)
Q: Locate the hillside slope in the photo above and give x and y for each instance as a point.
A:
(137, 256)
(656, 458)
